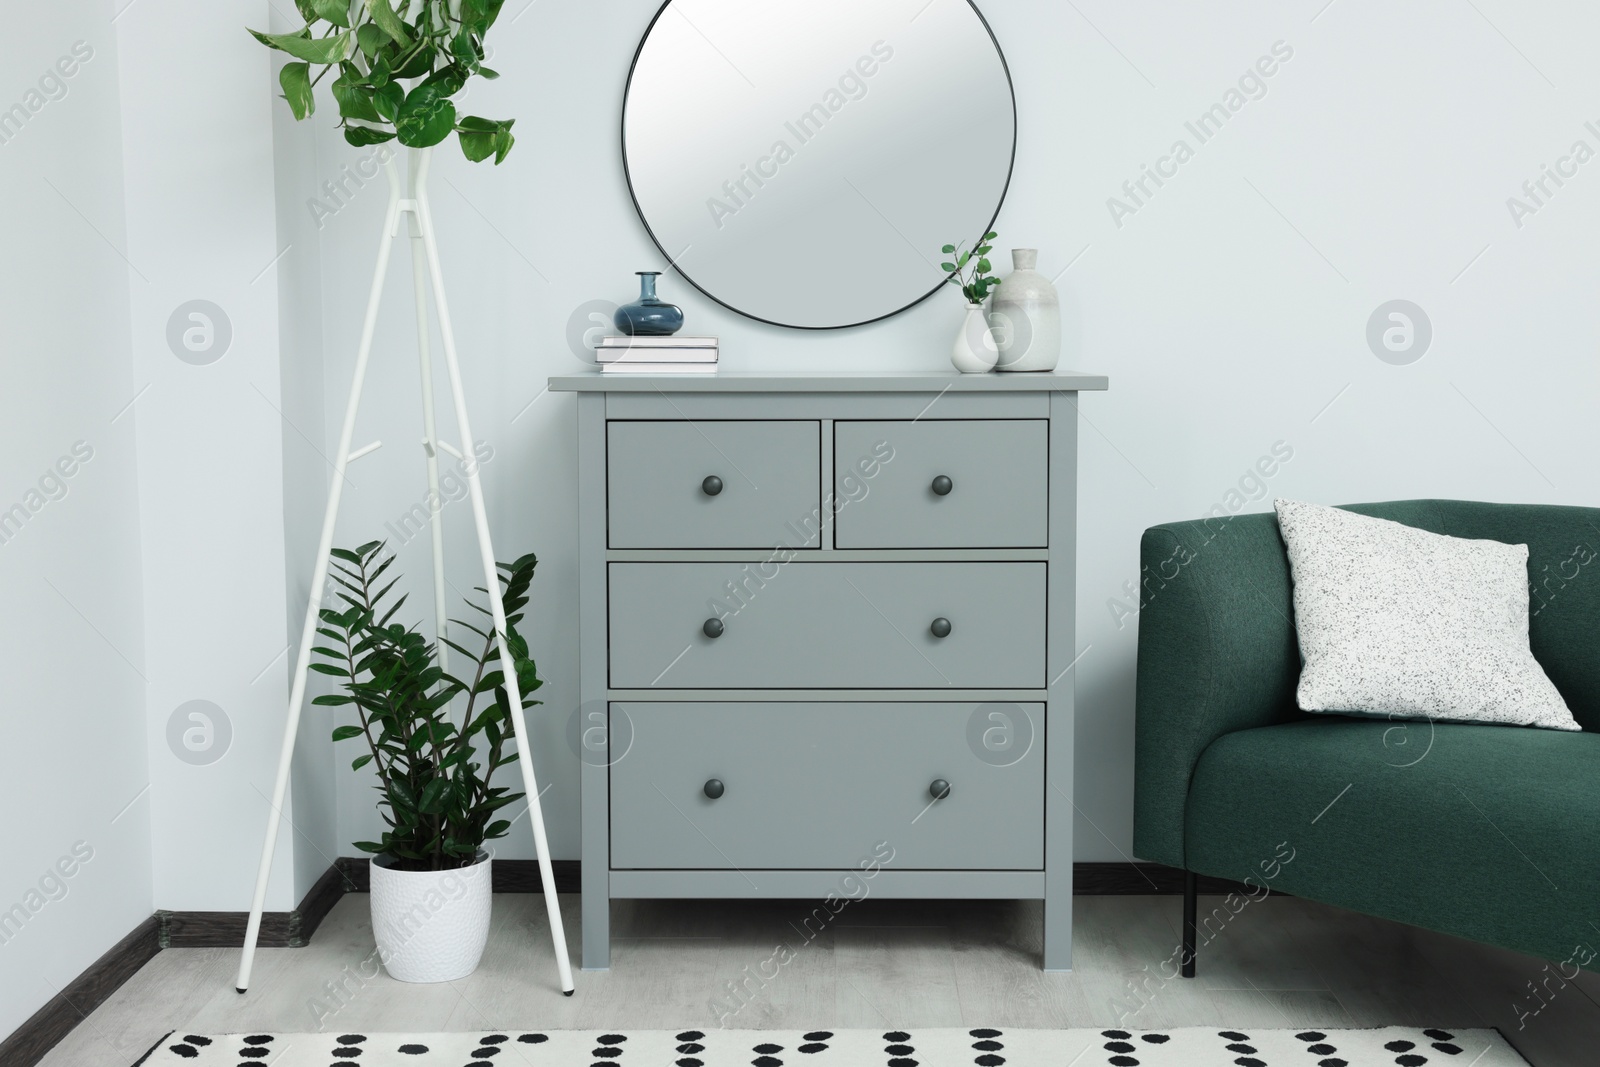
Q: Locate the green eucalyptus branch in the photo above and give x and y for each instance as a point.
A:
(396, 78)
(975, 282)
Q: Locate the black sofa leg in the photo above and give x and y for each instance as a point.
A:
(1191, 901)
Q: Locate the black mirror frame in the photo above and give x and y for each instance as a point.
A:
(1011, 88)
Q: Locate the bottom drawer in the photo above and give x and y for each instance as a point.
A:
(820, 785)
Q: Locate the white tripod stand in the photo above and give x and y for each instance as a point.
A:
(425, 265)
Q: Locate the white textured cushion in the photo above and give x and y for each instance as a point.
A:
(1407, 624)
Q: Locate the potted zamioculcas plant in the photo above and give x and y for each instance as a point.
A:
(435, 738)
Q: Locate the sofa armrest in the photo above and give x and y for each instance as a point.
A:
(1217, 653)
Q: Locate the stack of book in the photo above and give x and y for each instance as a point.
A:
(657, 355)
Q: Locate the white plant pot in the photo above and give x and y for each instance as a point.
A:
(1026, 316)
(974, 351)
(431, 926)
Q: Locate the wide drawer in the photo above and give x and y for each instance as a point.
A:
(829, 625)
(971, 483)
(764, 488)
(826, 785)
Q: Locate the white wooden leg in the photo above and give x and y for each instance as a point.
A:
(319, 576)
(491, 573)
(430, 438)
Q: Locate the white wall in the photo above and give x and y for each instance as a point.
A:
(214, 439)
(75, 786)
(1229, 310)
(313, 796)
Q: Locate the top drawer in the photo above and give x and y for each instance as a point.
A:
(971, 483)
(710, 484)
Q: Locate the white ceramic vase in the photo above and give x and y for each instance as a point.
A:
(974, 351)
(431, 926)
(1026, 316)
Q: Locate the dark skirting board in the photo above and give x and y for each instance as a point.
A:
(293, 929)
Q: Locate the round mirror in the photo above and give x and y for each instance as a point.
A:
(803, 163)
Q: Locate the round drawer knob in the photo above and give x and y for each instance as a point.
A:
(942, 486)
(713, 485)
(714, 788)
(940, 628)
(938, 790)
(712, 628)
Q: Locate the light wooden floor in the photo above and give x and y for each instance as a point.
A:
(1279, 963)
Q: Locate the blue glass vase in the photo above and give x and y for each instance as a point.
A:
(649, 317)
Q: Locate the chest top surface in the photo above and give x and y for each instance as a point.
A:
(724, 381)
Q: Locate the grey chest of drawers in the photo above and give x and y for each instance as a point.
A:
(827, 639)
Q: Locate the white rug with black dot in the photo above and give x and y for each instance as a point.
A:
(1392, 1046)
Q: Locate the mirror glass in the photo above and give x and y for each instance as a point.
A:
(802, 163)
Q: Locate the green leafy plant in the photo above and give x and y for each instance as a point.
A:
(435, 774)
(376, 45)
(970, 270)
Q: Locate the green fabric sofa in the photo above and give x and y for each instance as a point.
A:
(1486, 832)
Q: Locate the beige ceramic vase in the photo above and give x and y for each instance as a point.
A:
(1025, 314)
